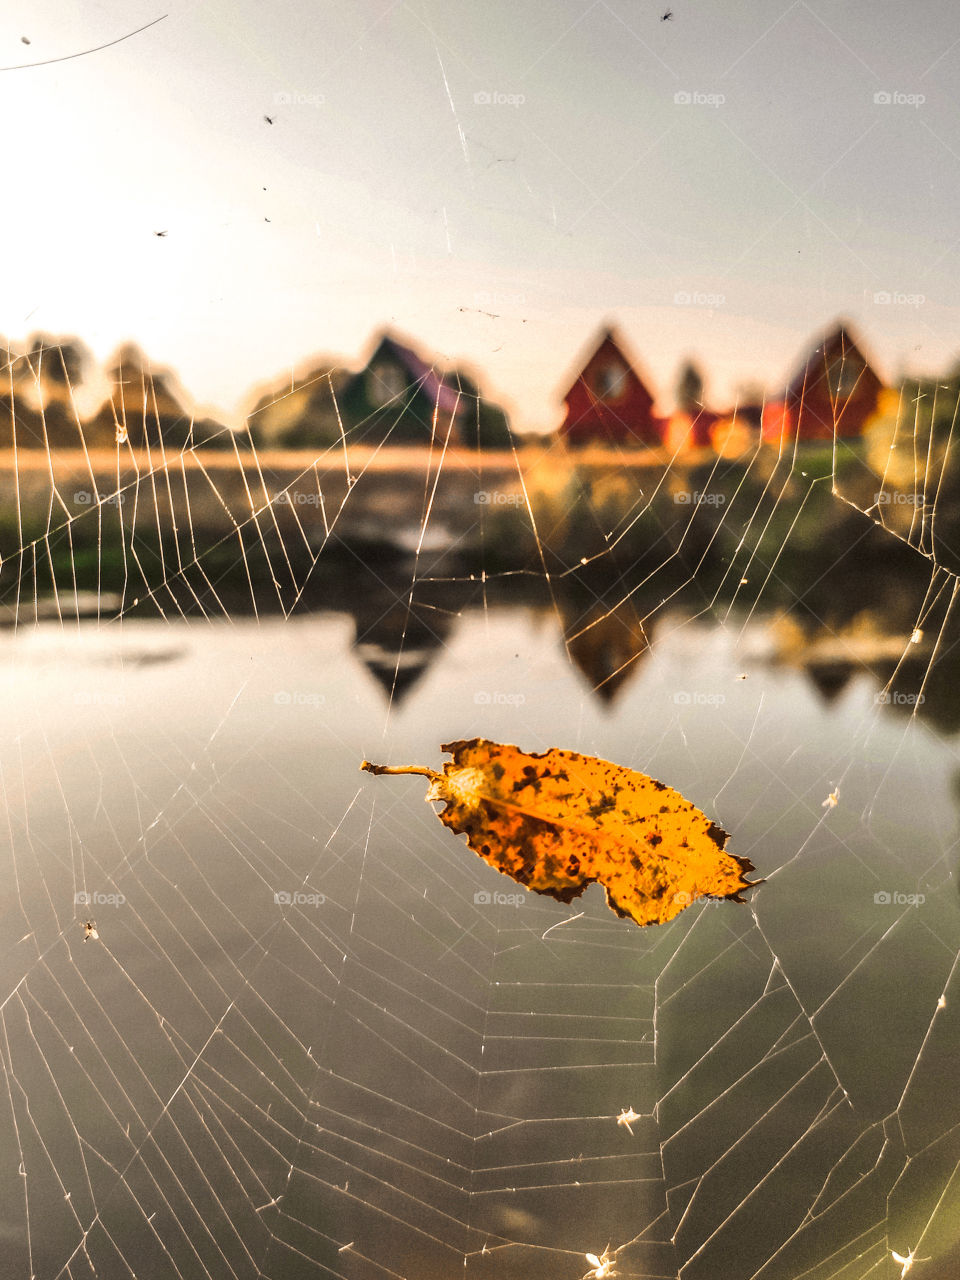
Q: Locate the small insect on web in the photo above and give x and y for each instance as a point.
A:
(602, 1267)
(626, 1118)
(90, 931)
(906, 1262)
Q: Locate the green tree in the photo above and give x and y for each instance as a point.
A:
(689, 392)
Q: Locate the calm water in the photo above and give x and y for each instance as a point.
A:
(385, 1075)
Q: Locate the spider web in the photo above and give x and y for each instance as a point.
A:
(262, 1017)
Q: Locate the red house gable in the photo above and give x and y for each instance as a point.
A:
(608, 402)
(835, 392)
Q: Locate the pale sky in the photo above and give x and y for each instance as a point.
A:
(432, 162)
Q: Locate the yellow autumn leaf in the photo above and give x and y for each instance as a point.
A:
(557, 821)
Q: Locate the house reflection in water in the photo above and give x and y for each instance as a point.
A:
(397, 633)
(605, 641)
(831, 658)
(397, 667)
(397, 640)
(398, 636)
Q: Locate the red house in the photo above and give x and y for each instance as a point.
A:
(834, 393)
(608, 403)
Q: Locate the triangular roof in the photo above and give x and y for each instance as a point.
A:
(431, 383)
(608, 338)
(838, 338)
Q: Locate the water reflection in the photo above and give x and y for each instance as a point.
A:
(395, 1061)
(609, 630)
(888, 624)
(398, 631)
(605, 640)
(870, 643)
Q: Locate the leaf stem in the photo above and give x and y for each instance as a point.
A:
(401, 768)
